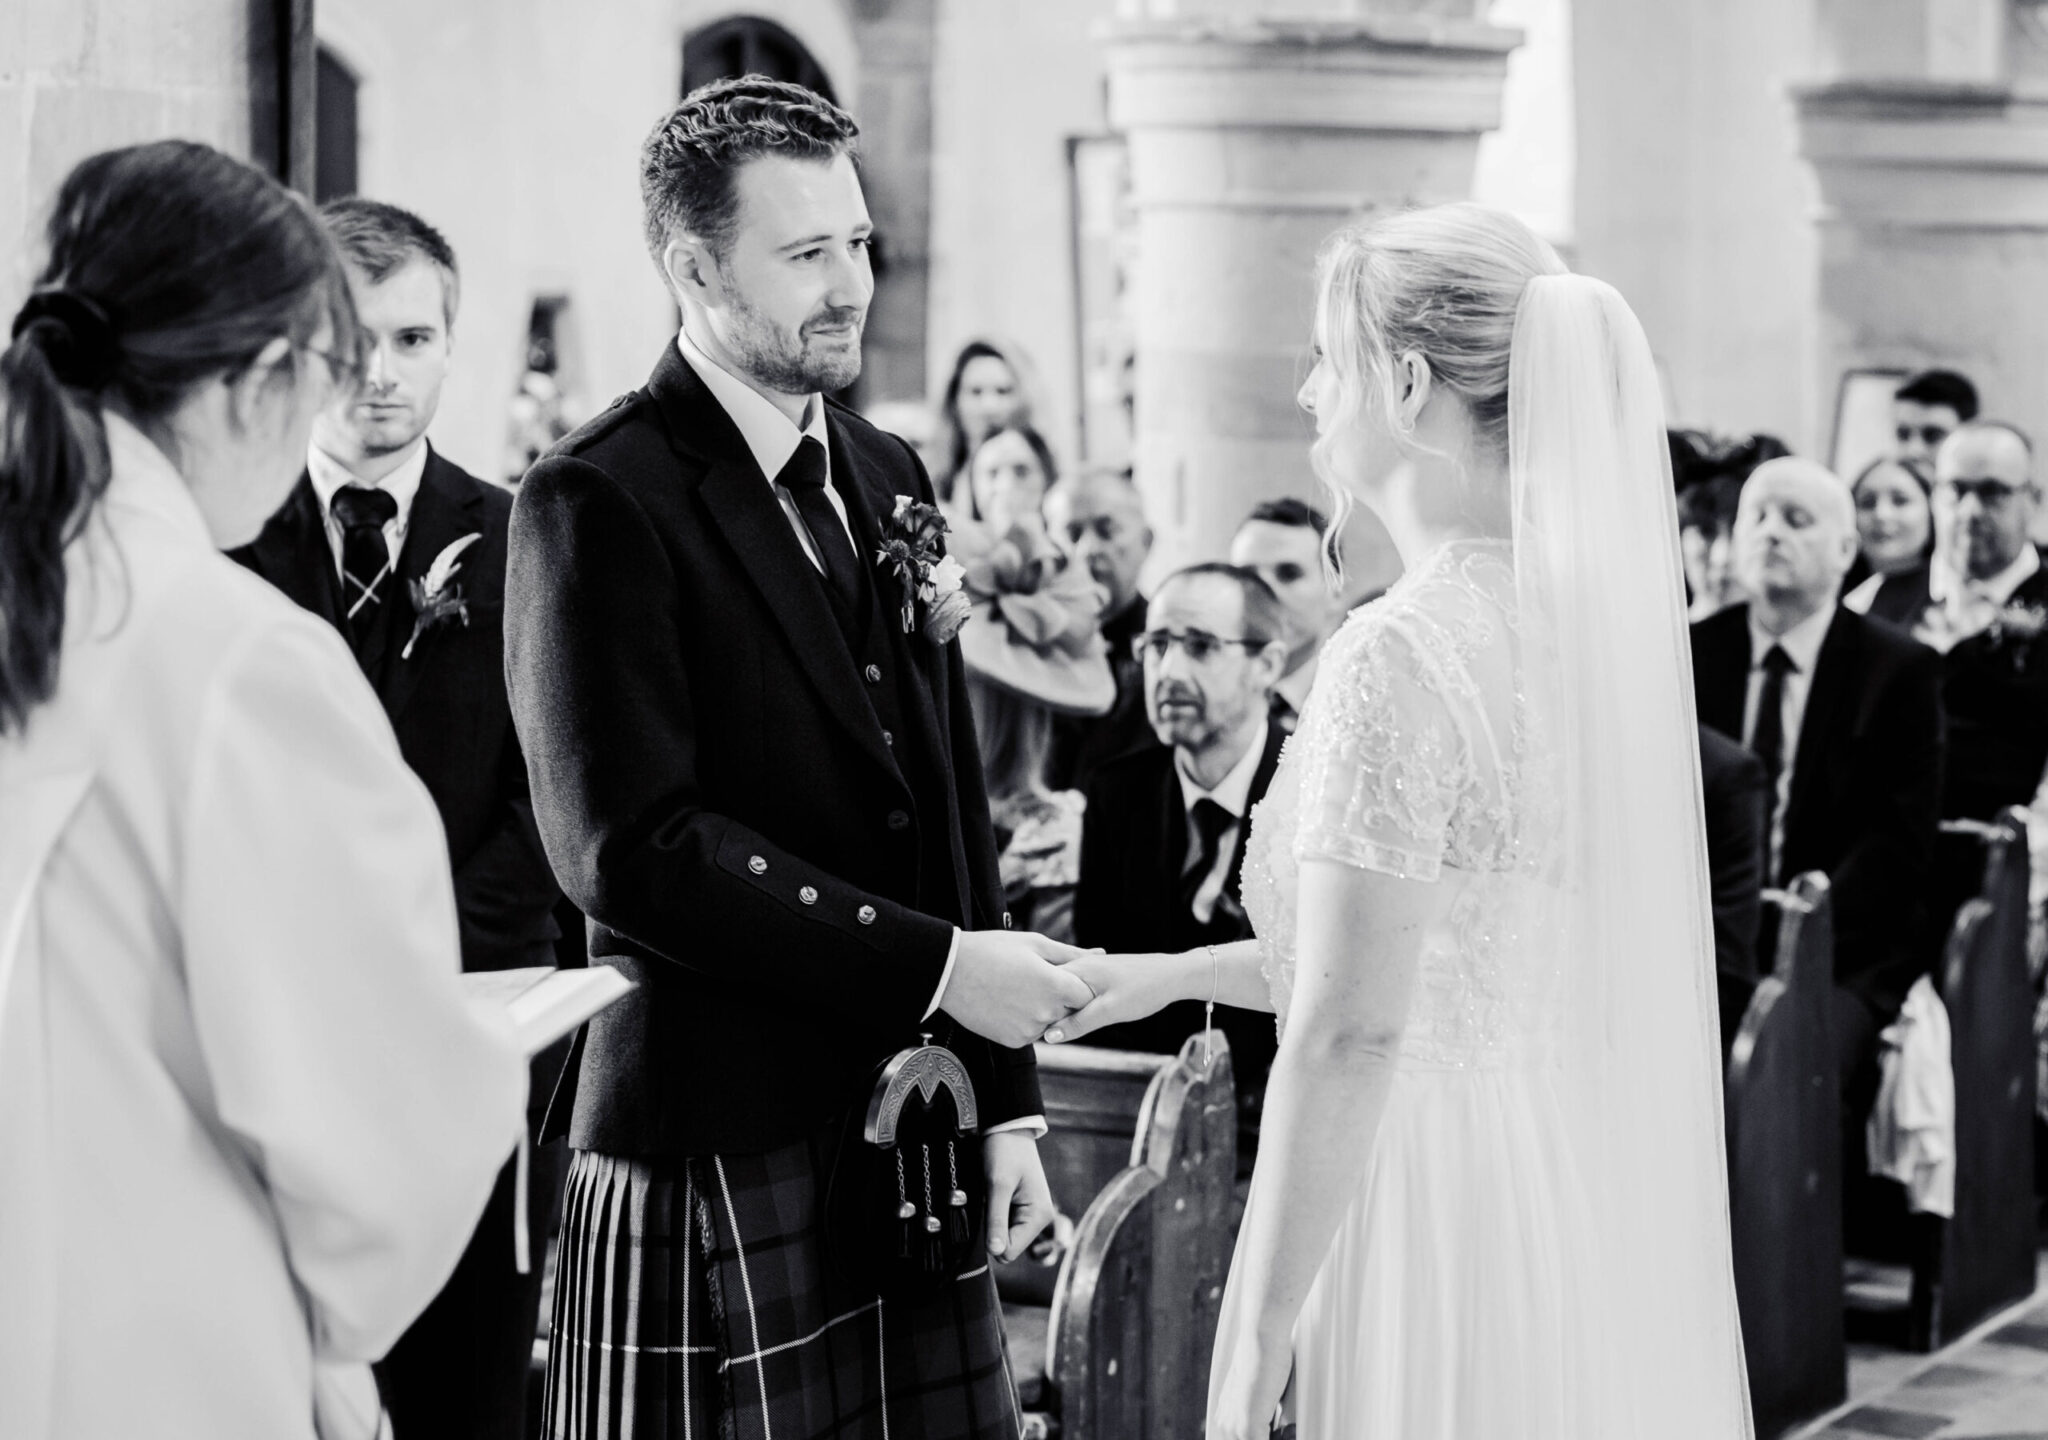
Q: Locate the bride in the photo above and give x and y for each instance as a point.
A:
(1490, 1199)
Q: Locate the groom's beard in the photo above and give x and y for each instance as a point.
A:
(821, 357)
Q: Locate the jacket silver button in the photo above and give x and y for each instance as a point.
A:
(898, 820)
(887, 738)
(874, 673)
(756, 864)
(807, 895)
(866, 914)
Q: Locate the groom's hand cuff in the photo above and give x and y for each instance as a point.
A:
(945, 979)
(1034, 1123)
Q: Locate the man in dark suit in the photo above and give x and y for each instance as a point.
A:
(379, 521)
(1845, 714)
(1281, 541)
(756, 773)
(1163, 837)
(1098, 519)
(1736, 793)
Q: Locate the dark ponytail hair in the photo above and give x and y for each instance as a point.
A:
(169, 264)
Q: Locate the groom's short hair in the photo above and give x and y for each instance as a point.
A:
(689, 160)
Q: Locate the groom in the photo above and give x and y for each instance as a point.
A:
(764, 792)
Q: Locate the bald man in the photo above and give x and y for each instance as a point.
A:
(1845, 713)
(1097, 518)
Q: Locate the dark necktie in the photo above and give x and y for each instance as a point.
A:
(1210, 820)
(804, 478)
(362, 513)
(1280, 710)
(1768, 739)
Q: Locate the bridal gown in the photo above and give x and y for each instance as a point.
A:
(1453, 1303)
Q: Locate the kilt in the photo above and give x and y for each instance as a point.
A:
(694, 1301)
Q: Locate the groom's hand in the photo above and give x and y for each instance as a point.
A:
(1009, 986)
(1019, 1200)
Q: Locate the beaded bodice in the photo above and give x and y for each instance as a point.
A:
(1417, 757)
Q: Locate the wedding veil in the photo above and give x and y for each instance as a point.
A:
(1610, 685)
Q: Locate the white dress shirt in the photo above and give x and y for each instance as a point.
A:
(1233, 792)
(403, 484)
(247, 1114)
(772, 438)
(1294, 686)
(1802, 644)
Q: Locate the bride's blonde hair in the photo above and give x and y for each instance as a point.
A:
(1445, 282)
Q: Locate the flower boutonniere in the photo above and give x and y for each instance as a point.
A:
(910, 547)
(436, 601)
(2022, 625)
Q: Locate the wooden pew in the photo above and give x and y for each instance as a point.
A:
(1133, 1317)
(1985, 1256)
(1784, 1170)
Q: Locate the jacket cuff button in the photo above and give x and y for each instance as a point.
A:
(807, 895)
(866, 914)
(1007, 922)
(756, 864)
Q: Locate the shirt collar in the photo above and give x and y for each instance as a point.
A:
(1802, 642)
(770, 436)
(1944, 584)
(1294, 686)
(1234, 791)
(403, 484)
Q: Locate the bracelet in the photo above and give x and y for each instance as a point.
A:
(1209, 1008)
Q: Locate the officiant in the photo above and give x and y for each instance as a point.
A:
(403, 551)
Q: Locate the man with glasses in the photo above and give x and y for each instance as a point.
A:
(1162, 844)
(404, 551)
(1926, 409)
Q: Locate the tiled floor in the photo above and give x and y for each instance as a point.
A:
(1990, 1387)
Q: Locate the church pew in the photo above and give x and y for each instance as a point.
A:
(1784, 1170)
(1985, 1255)
(1132, 1321)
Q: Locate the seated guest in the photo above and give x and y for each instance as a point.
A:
(1735, 790)
(1926, 410)
(1163, 841)
(1895, 524)
(1032, 652)
(247, 1114)
(1845, 714)
(1008, 475)
(1281, 542)
(986, 388)
(1098, 519)
(377, 511)
(1706, 522)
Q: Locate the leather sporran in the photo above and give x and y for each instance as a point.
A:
(905, 1205)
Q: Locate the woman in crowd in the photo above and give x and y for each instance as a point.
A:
(248, 1117)
(1895, 522)
(1008, 476)
(987, 389)
(1033, 651)
(1706, 528)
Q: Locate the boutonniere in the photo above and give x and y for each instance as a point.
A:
(2022, 624)
(435, 601)
(910, 547)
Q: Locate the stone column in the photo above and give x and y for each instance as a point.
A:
(1930, 144)
(1251, 139)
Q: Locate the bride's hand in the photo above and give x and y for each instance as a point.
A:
(1249, 1397)
(1127, 987)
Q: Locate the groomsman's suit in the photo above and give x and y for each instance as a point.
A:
(1738, 812)
(767, 797)
(1134, 897)
(461, 1370)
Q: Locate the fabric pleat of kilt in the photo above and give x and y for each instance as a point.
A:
(694, 1300)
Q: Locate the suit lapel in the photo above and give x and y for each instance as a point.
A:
(442, 513)
(293, 553)
(1722, 646)
(1824, 697)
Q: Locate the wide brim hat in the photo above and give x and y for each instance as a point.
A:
(1034, 629)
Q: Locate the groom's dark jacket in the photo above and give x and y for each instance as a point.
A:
(772, 814)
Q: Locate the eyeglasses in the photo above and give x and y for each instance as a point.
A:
(1198, 645)
(344, 372)
(1929, 435)
(1989, 493)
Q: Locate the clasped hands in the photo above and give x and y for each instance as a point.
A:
(1016, 988)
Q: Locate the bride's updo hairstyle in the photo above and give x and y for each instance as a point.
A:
(1444, 282)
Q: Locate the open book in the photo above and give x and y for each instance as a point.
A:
(544, 1003)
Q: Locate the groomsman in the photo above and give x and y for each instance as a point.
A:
(1282, 542)
(404, 552)
(1163, 837)
(758, 777)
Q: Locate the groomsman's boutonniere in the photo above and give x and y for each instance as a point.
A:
(434, 600)
(2021, 624)
(910, 547)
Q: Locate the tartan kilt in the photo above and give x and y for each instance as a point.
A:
(694, 1301)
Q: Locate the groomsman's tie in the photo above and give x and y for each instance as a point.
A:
(1768, 740)
(1210, 821)
(804, 478)
(363, 512)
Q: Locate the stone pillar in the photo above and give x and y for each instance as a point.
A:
(895, 114)
(1930, 144)
(1251, 140)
